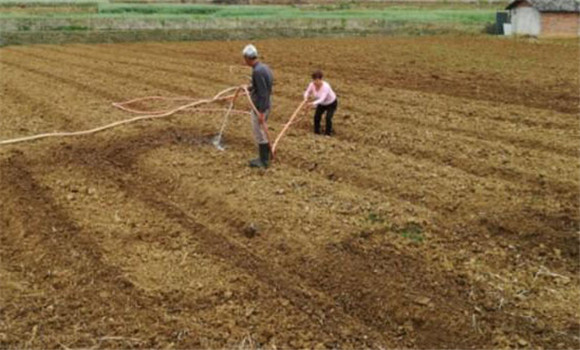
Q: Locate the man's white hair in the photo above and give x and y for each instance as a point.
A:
(250, 51)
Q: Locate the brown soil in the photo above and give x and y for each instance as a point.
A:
(443, 213)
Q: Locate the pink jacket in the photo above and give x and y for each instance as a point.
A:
(324, 96)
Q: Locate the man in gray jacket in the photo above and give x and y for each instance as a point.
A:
(260, 90)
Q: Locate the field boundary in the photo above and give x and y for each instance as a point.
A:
(94, 31)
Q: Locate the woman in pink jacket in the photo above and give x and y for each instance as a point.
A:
(325, 101)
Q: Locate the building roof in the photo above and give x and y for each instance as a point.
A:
(549, 5)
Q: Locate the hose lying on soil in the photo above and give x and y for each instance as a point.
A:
(220, 96)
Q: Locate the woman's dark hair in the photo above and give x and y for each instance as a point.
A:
(317, 74)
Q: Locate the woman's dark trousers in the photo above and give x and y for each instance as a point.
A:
(329, 109)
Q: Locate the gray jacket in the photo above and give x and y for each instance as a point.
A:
(261, 89)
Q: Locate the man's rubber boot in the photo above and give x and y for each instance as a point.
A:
(262, 162)
(256, 163)
(265, 154)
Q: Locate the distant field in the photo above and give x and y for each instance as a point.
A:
(200, 11)
(390, 13)
(108, 21)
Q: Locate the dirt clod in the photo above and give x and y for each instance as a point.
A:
(251, 230)
(423, 301)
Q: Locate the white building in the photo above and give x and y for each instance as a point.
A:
(545, 17)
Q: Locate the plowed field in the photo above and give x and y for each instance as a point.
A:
(442, 214)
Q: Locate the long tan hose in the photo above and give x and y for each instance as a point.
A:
(154, 115)
(285, 128)
(220, 96)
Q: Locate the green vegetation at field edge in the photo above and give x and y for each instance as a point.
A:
(167, 11)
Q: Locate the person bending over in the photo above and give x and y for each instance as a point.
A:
(325, 101)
